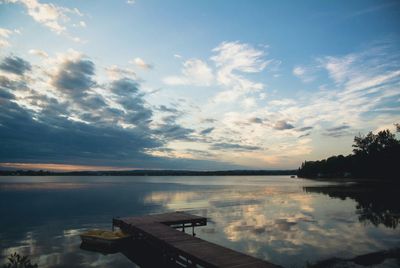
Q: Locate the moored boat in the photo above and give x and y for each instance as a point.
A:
(104, 238)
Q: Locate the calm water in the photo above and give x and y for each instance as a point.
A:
(287, 221)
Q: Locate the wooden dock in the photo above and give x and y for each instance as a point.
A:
(184, 250)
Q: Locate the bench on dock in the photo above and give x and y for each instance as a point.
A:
(160, 231)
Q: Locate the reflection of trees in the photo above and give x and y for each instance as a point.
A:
(376, 204)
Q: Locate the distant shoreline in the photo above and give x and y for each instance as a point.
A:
(149, 173)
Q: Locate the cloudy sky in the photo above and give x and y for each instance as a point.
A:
(193, 84)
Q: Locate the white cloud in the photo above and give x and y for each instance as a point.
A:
(235, 56)
(82, 24)
(4, 43)
(48, 14)
(195, 72)
(141, 63)
(249, 103)
(231, 59)
(303, 74)
(4, 35)
(282, 102)
(338, 67)
(39, 53)
(130, 2)
(114, 72)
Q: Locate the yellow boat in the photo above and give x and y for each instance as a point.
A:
(104, 238)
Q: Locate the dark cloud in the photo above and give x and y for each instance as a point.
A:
(209, 120)
(305, 128)
(174, 132)
(256, 120)
(5, 95)
(305, 135)
(75, 77)
(282, 125)
(338, 131)
(206, 131)
(15, 65)
(6, 83)
(166, 109)
(55, 137)
(94, 102)
(234, 146)
(83, 129)
(124, 87)
(200, 153)
(335, 129)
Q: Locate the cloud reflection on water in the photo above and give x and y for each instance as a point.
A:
(61, 250)
(274, 222)
(268, 217)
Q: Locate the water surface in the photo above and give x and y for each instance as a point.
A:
(283, 220)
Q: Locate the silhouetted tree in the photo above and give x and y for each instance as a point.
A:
(374, 156)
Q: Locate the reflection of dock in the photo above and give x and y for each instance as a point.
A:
(180, 248)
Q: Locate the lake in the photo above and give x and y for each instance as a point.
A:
(284, 220)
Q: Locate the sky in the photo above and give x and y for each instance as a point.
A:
(199, 85)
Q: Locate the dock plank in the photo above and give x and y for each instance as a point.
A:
(157, 230)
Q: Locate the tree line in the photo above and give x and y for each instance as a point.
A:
(374, 156)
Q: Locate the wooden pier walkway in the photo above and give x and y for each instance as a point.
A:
(160, 231)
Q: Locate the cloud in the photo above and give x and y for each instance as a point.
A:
(50, 15)
(171, 130)
(303, 74)
(75, 76)
(207, 131)
(248, 103)
(4, 35)
(124, 87)
(39, 53)
(113, 128)
(304, 135)
(131, 2)
(305, 128)
(237, 56)
(231, 59)
(334, 129)
(283, 125)
(128, 95)
(114, 72)
(282, 102)
(338, 131)
(256, 120)
(166, 109)
(11, 85)
(361, 82)
(195, 72)
(15, 65)
(4, 43)
(234, 147)
(57, 139)
(141, 63)
(371, 9)
(339, 68)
